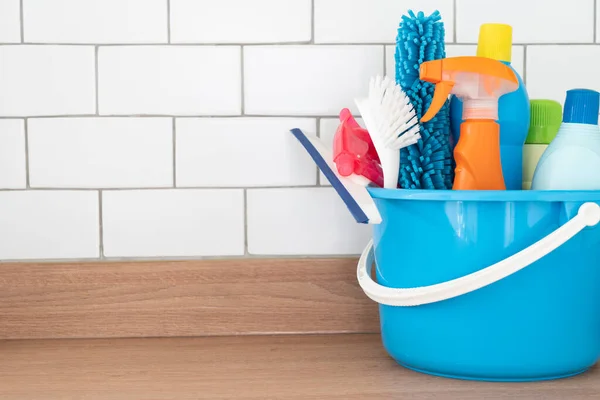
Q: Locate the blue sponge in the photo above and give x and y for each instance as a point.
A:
(428, 164)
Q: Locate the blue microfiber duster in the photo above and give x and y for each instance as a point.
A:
(428, 164)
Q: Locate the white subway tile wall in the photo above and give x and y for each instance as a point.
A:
(302, 221)
(173, 223)
(546, 66)
(116, 152)
(174, 80)
(46, 80)
(12, 154)
(533, 21)
(10, 21)
(159, 128)
(92, 21)
(241, 152)
(49, 224)
(240, 21)
(372, 21)
(307, 79)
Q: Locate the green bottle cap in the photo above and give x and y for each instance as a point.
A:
(546, 117)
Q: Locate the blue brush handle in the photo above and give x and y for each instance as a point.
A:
(354, 208)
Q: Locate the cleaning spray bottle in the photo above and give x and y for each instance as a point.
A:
(354, 153)
(546, 116)
(572, 160)
(479, 82)
(495, 42)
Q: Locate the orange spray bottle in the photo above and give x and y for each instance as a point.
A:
(478, 82)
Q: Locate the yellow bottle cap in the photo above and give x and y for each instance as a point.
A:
(495, 41)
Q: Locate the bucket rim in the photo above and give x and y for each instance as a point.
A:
(485, 195)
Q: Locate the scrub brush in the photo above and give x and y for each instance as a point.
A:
(391, 122)
(428, 164)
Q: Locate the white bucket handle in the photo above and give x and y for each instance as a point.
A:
(587, 215)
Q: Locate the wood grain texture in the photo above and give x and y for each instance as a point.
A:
(183, 298)
(343, 367)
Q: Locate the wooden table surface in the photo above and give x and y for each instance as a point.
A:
(243, 367)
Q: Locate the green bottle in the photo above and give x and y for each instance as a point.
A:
(546, 117)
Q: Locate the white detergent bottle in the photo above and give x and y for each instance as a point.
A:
(572, 160)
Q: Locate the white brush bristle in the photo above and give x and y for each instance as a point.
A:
(396, 121)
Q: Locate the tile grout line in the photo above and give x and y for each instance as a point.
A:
(595, 20)
(297, 116)
(454, 7)
(155, 188)
(283, 44)
(198, 116)
(100, 226)
(246, 253)
(21, 20)
(187, 44)
(525, 65)
(385, 72)
(260, 256)
(168, 21)
(26, 132)
(312, 22)
(242, 83)
(174, 133)
(97, 48)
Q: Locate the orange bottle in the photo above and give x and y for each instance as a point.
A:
(478, 82)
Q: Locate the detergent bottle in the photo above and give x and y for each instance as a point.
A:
(546, 116)
(478, 82)
(495, 42)
(572, 160)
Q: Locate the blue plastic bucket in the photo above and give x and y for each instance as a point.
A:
(539, 320)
